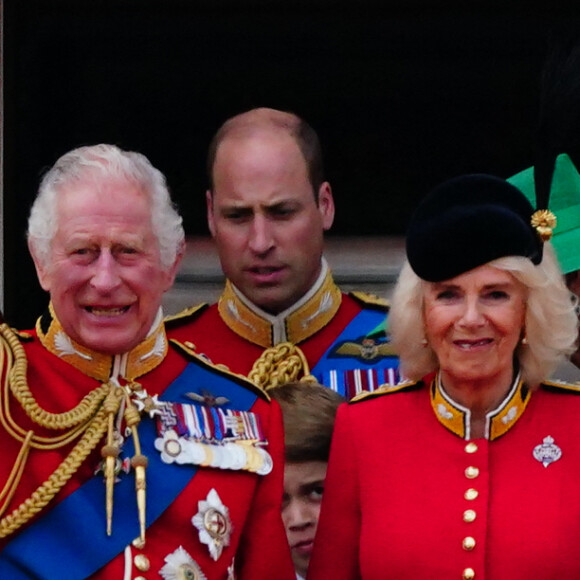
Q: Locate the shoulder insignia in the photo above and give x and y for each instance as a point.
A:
(370, 300)
(561, 387)
(403, 386)
(219, 369)
(186, 315)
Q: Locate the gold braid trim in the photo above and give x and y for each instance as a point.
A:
(16, 376)
(279, 365)
(45, 492)
(88, 418)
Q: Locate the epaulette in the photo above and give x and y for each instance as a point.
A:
(387, 390)
(186, 315)
(218, 369)
(370, 300)
(561, 387)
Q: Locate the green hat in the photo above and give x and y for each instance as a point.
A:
(564, 203)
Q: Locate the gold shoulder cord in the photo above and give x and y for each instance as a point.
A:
(279, 365)
(89, 420)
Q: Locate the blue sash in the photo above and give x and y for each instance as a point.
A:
(70, 541)
(335, 371)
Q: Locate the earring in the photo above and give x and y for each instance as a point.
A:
(424, 342)
(524, 340)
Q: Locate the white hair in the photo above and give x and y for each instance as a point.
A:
(551, 323)
(103, 162)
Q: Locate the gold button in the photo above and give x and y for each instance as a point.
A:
(142, 562)
(471, 472)
(189, 344)
(469, 515)
(471, 494)
(471, 447)
(468, 543)
(468, 574)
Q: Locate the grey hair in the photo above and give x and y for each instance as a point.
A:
(550, 321)
(103, 162)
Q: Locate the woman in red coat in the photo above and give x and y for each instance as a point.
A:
(471, 469)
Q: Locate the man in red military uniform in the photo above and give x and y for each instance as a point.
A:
(125, 455)
(268, 206)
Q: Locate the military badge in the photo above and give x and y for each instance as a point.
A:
(181, 566)
(365, 349)
(213, 523)
(547, 452)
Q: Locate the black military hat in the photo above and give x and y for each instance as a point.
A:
(467, 222)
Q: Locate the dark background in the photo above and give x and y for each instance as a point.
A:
(403, 95)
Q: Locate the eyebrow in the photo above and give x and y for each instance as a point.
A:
(311, 484)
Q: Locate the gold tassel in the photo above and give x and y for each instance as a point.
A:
(110, 451)
(139, 463)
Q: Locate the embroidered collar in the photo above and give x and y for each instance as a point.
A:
(457, 418)
(295, 324)
(131, 365)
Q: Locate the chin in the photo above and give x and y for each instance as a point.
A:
(108, 344)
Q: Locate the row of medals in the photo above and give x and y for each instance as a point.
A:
(244, 455)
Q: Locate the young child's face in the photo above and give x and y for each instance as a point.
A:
(303, 488)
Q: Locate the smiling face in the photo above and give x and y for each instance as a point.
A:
(303, 488)
(265, 219)
(473, 324)
(104, 272)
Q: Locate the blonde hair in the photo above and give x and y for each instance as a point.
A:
(550, 321)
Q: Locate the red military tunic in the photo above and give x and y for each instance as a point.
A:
(342, 336)
(74, 544)
(410, 495)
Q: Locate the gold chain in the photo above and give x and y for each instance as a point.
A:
(279, 365)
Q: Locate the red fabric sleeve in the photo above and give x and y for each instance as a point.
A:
(336, 547)
(265, 550)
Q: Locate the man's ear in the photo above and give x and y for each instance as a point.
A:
(42, 269)
(210, 217)
(326, 205)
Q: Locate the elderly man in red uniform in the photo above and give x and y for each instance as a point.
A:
(268, 206)
(125, 455)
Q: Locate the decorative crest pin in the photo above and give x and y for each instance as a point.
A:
(214, 524)
(547, 452)
(207, 398)
(544, 222)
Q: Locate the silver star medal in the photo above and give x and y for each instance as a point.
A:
(547, 452)
(213, 522)
(181, 566)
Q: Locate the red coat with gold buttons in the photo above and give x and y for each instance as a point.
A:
(409, 495)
